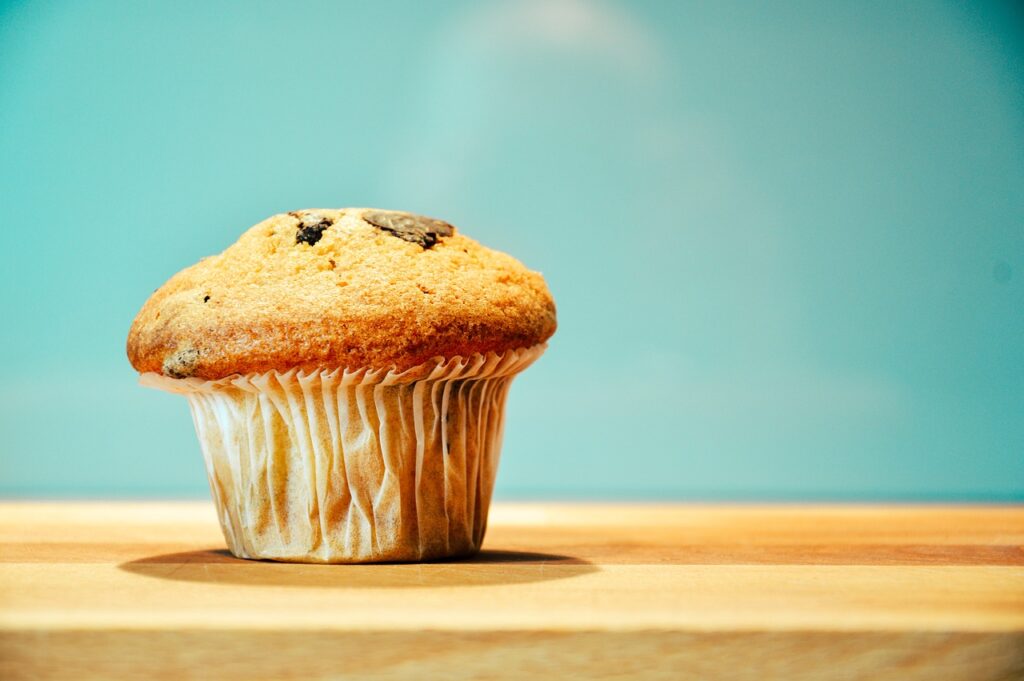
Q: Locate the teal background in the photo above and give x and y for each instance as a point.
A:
(786, 239)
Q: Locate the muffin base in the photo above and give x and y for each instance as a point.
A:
(346, 466)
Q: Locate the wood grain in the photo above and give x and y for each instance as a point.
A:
(146, 590)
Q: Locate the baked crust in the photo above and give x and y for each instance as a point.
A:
(326, 288)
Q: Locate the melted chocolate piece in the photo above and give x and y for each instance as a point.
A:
(311, 228)
(415, 228)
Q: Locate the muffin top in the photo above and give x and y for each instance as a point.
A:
(353, 288)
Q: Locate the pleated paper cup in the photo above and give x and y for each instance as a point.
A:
(342, 466)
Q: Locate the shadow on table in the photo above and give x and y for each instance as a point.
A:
(218, 566)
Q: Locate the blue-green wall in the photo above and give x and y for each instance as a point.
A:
(786, 239)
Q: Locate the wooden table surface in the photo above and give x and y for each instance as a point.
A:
(147, 590)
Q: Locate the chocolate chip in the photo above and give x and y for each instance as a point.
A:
(206, 299)
(181, 363)
(415, 228)
(311, 227)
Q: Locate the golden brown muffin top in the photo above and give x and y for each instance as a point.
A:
(355, 287)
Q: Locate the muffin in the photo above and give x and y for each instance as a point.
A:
(347, 373)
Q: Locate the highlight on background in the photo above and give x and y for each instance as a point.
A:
(786, 240)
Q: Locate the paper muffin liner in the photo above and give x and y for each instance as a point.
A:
(343, 466)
